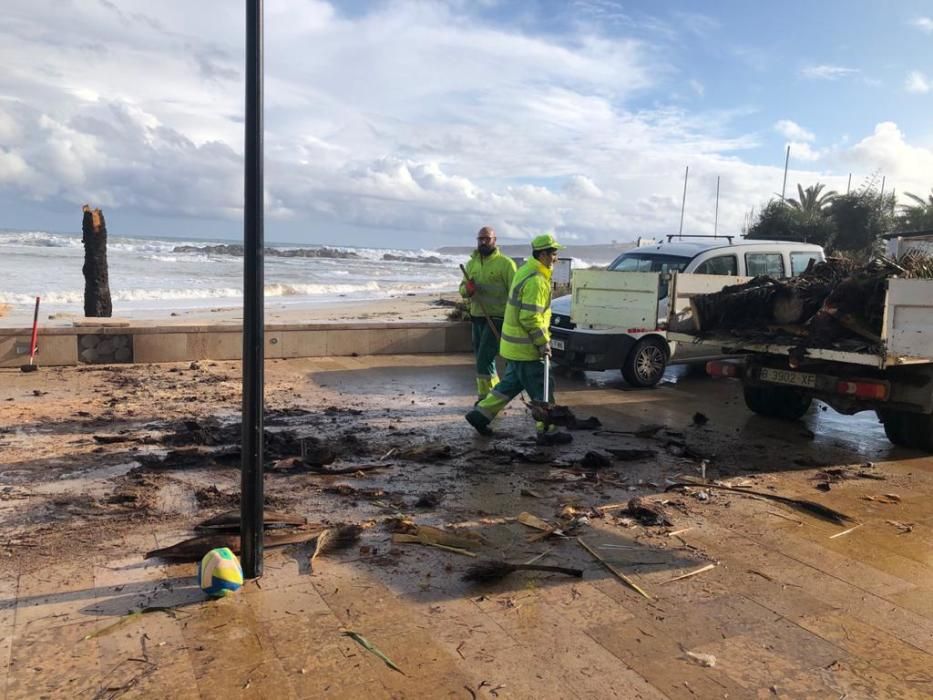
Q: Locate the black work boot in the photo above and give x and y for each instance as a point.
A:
(479, 422)
(554, 437)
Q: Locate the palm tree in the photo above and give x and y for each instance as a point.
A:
(812, 201)
(917, 216)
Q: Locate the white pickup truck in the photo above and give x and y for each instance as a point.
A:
(615, 318)
(895, 380)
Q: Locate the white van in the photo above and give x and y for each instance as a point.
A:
(602, 325)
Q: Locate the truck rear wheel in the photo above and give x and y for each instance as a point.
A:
(645, 364)
(777, 401)
(908, 429)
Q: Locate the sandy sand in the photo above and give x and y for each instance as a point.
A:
(410, 307)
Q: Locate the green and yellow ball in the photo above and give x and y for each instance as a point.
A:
(219, 573)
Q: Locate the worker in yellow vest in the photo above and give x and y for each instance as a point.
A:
(487, 279)
(525, 342)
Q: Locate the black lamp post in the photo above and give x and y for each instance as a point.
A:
(251, 476)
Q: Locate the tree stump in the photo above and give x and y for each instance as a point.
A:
(97, 303)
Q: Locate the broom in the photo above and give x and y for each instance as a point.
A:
(493, 570)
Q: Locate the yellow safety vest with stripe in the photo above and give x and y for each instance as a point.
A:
(492, 275)
(528, 313)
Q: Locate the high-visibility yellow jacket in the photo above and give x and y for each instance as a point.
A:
(493, 275)
(527, 322)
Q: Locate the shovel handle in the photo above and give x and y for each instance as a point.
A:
(547, 379)
(482, 306)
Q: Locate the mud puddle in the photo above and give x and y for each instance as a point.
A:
(175, 497)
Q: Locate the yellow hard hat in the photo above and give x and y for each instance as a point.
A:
(545, 241)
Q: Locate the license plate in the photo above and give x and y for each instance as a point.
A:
(557, 344)
(783, 376)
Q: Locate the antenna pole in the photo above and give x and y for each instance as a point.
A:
(716, 219)
(683, 204)
(786, 163)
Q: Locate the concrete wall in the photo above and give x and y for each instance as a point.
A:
(180, 343)
(53, 349)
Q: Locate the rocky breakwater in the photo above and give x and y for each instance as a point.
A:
(237, 250)
(430, 259)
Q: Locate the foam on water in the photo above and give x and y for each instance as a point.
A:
(153, 275)
(39, 239)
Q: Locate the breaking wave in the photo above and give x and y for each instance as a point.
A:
(271, 291)
(152, 275)
(163, 250)
(40, 239)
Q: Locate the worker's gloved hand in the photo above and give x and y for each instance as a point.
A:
(544, 350)
(470, 288)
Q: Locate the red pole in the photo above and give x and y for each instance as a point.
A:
(35, 333)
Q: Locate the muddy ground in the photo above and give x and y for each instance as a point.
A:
(97, 453)
(101, 465)
(93, 453)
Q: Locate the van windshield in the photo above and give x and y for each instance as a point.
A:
(649, 262)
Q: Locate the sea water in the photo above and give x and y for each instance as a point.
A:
(150, 278)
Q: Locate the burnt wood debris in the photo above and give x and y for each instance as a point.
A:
(97, 302)
(834, 303)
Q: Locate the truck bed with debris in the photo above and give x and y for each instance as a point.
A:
(855, 337)
(906, 333)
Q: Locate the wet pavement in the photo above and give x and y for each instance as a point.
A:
(779, 604)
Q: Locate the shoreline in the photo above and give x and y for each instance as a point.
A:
(421, 306)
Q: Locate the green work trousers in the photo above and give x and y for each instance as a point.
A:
(485, 349)
(519, 375)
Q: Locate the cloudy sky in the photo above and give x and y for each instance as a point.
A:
(407, 123)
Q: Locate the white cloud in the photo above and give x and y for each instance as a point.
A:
(905, 167)
(411, 117)
(924, 24)
(393, 119)
(804, 151)
(697, 87)
(793, 131)
(583, 187)
(918, 82)
(827, 72)
(13, 168)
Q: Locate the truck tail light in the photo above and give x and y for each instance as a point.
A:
(862, 389)
(720, 368)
